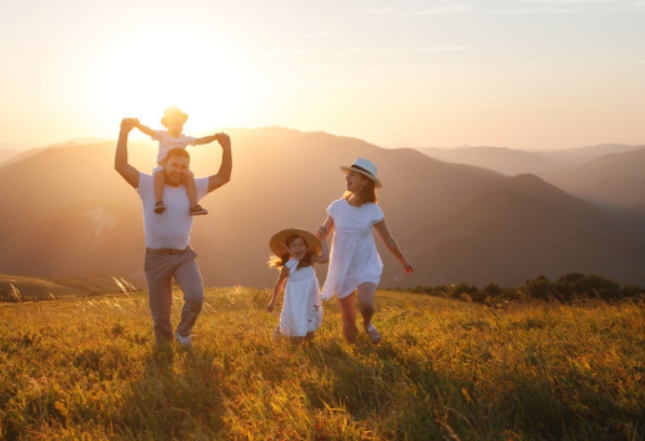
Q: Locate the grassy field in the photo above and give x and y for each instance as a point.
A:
(87, 369)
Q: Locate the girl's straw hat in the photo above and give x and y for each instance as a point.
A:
(366, 168)
(278, 241)
(172, 113)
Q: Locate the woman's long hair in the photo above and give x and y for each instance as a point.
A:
(367, 194)
(279, 261)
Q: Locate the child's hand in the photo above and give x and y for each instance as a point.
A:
(271, 307)
(321, 232)
(407, 267)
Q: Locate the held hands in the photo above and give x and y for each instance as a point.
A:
(321, 232)
(223, 139)
(127, 124)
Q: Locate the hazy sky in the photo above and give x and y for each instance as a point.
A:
(526, 74)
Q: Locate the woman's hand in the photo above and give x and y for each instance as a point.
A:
(271, 306)
(407, 267)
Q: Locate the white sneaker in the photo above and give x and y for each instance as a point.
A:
(184, 341)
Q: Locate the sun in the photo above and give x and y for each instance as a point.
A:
(142, 73)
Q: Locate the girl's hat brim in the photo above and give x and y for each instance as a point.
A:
(278, 241)
(377, 182)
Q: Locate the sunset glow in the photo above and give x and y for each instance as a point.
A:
(531, 74)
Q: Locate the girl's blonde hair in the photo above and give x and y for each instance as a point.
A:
(279, 261)
(367, 194)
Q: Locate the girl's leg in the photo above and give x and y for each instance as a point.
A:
(310, 335)
(348, 315)
(191, 191)
(159, 184)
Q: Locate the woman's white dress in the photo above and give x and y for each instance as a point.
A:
(353, 258)
(302, 307)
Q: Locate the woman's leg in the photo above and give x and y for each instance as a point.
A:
(348, 315)
(366, 293)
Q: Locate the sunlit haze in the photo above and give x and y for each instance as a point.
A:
(527, 74)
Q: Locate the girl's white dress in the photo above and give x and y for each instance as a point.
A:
(353, 259)
(302, 308)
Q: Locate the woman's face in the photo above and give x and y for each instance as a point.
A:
(354, 181)
(297, 248)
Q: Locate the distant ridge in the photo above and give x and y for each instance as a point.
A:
(69, 213)
(502, 160)
(616, 179)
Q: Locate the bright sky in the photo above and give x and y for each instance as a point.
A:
(528, 74)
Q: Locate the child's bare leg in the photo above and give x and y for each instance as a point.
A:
(191, 191)
(310, 335)
(159, 184)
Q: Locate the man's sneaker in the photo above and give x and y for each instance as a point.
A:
(160, 207)
(184, 341)
(197, 210)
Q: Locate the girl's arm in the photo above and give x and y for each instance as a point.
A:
(206, 139)
(145, 129)
(391, 245)
(284, 273)
(323, 257)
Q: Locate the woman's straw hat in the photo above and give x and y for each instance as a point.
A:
(172, 113)
(278, 241)
(366, 168)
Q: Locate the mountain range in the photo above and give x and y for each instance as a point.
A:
(608, 174)
(66, 212)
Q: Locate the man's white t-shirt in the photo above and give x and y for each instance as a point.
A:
(167, 143)
(170, 229)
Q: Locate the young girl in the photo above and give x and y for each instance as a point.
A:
(174, 120)
(295, 251)
(355, 265)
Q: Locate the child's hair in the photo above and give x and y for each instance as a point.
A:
(279, 261)
(368, 194)
(178, 153)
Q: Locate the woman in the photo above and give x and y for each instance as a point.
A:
(355, 265)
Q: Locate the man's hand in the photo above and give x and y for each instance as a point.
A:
(224, 140)
(127, 124)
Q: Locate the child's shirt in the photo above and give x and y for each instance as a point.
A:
(167, 143)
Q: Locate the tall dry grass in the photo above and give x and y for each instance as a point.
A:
(88, 369)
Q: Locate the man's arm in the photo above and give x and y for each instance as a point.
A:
(121, 165)
(224, 173)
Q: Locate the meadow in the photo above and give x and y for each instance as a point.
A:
(87, 369)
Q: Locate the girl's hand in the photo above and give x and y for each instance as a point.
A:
(321, 232)
(271, 307)
(407, 268)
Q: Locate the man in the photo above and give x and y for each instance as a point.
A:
(168, 251)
